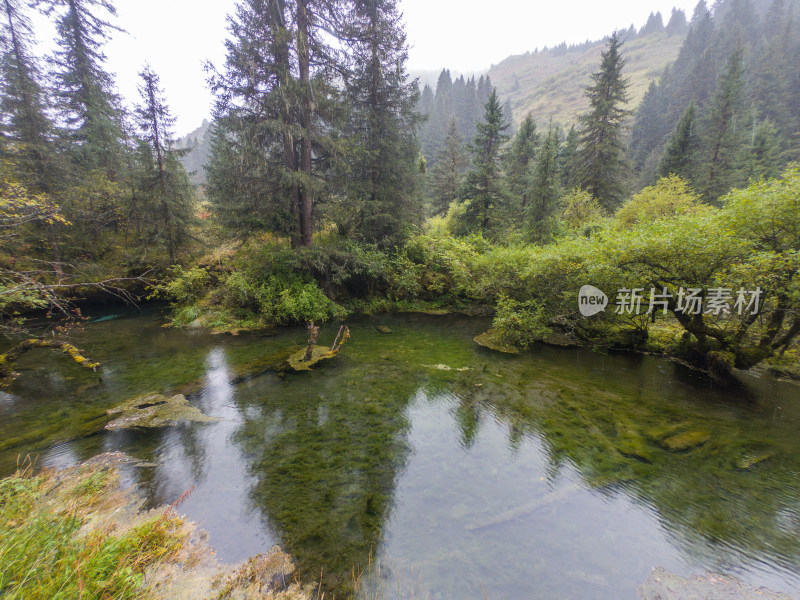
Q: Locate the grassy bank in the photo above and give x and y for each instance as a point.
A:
(75, 534)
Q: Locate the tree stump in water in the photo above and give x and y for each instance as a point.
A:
(305, 359)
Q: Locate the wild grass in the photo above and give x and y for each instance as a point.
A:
(46, 552)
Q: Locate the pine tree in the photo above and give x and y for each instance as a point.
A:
(275, 104)
(164, 180)
(483, 187)
(22, 100)
(446, 176)
(763, 150)
(655, 24)
(600, 154)
(87, 104)
(568, 159)
(722, 132)
(520, 159)
(677, 22)
(680, 152)
(425, 104)
(382, 177)
(434, 129)
(545, 189)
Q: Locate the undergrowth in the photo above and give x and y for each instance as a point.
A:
(47, 554)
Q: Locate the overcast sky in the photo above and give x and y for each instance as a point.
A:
(177, 36)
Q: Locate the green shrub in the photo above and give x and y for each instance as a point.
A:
(521, 323)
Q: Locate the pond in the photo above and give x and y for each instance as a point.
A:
(557, 473)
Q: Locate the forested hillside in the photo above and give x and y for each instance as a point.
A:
(728, 108)
(549, 83)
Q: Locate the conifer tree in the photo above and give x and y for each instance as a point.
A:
(763, 151)
(722, 133)
(520, 159)
(600, 153)
(483, 186)
(276, 101)
(383, 174)
(545, 189)
(681, 150)
(22, 100)
(164, 180)
(568, 158)
(84, 90)
(446, 176)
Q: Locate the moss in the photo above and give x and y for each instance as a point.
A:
(494, 340)
(685, 441)
(155, 410)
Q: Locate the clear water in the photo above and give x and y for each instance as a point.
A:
(454, 468)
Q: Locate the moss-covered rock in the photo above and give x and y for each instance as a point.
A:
(685, 441)
(155, 410)
(298, 361)
(493, 340)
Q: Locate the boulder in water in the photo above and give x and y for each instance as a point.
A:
(155, 410)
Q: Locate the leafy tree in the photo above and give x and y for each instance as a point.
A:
(165, 184)
(383, 174)
(670, 196)
(446, 176)
(579, 209)
(483, 190)
(545, 189)
(600, 152)
(520, 159)
(680, 153)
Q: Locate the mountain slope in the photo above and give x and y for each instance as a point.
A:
(551, 83)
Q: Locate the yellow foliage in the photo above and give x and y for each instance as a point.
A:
(669, 197)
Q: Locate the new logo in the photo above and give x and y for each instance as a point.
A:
(591, 300)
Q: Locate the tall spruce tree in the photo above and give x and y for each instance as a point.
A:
(164, 181)
(446, 176)
(483, 189)
(722, 132)
(275, 102)
(520, 159)
(680, 153)
(568, 160)
(383, 173)
(545, 189)
(602, 166)
(23, 119)
(84, 90)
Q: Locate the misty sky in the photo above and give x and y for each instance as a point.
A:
(177, 36)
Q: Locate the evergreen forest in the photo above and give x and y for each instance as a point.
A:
(330, 182)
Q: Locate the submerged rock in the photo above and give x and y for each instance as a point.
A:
(663, 585)
(686, 441)
(155, 410)
(441, 367)
(493, 340)
(630, 443)
(382, 329)
(748, 460)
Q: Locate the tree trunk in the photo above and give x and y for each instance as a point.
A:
(306, 199)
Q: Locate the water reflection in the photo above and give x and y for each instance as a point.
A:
(558, 473)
